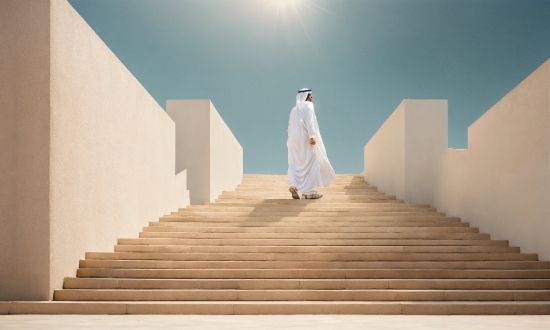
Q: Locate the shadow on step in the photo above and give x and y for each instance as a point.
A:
(275, 210)
(357, 184)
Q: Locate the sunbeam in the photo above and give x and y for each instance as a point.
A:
(303, 25)
(287, 10)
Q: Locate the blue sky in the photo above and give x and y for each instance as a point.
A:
(360, 58)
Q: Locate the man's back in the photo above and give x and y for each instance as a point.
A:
(301, 124)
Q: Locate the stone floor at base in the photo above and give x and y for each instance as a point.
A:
(267, 322)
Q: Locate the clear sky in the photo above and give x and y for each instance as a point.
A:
(360, 58)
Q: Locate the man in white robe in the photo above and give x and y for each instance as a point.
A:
(308, 164)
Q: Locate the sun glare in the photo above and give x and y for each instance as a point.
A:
(286, 11)
(285, 3)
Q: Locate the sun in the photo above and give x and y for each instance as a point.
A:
(287, 11)
(285, 2)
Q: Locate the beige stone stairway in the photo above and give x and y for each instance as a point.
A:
(355, 251)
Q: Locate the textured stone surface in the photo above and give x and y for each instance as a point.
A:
(267, 322)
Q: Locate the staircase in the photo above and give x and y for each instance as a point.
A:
(355, 251)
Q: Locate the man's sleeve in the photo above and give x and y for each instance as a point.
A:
(309, 119)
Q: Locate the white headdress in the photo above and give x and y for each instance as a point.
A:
(302, 95)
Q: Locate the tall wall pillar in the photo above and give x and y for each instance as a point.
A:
(24, 149)
(207, 148)
(404, 157)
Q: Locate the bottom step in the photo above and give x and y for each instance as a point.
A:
(264, 308)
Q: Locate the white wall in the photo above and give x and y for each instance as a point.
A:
(226, 157)
(207, 148)
(92, 149)
(385, 155)
(501, 183)
(405, 144)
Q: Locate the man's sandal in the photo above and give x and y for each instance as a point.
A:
(312, 196)
(294, 192)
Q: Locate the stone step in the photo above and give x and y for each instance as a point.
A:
(307, 213)
(309, 230)
(328, 198)
(301, 242)
(404, 262)
(306, 284)
(285, 183)
(404, 235)
(281, 191)
(288, 201)
(284, 179)
(306, 204)
(284, 192)
(387, 220)
(297, 202)
(290, 222)
(288, 249)
(343, 188)
(301, 295)
(359, 208)
(280, 307)
(344, 198)
(314, 273)
(293, 221)
(347, 188)
(372, 256)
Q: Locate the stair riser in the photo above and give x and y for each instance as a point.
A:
(282, 184)
(293, 202)
(402, 257)
(293, 221)
(351, 236)
(288, 308)
(340, 198)
(308, 231)
(302, 242)
(253, 201)
(443, 263)
(312, 274)
(289, 223)
(340, 214)
(276, 249)
(306, 208)
(99, 283)
(299, 295)
(268, 191)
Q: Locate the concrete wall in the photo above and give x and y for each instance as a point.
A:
(88, 156)
(501, 183)
(399, 149)
(388, 148)
(226, 157)
(24, 149)
(207, 148)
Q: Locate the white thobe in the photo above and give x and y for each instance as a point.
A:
(308, 165)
